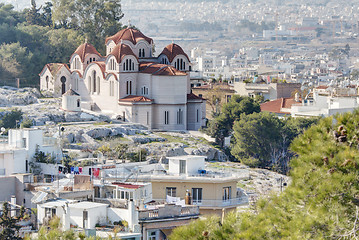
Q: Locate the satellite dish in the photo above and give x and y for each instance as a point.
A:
(2, 129)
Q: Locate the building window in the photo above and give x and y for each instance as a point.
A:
(89, 84)
(76, 84)
(129, 87)
(228, 98)
(50, 212)
(112, 88)
(227, 193)
(197, 195)
(94, 81)
(128, 65)
(63, 84)
(179, 116)
(47, 82)
(171, 191)
(182, 166)
(197, 115)
(151, 235)
(141, 52)
(98, 85)
(167, 117)
(144, 90)
(78, 103)
(147, 118)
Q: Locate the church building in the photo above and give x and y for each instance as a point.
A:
(130, 83)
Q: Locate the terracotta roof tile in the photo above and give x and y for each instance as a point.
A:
(55, 67)
(160, 69)
(129, 34)
(275, 106)
(70, 92)
(127, 185)
(84, 49)
(133, 98)
(322, 87)
(193, 96)
(172, 50)
(120, 51)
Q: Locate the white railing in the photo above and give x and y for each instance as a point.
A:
(233, 202)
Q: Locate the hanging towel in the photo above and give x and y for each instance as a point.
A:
(80, 170)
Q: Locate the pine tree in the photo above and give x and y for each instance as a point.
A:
(9, 230)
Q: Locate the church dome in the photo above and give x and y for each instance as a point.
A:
(84, 49)
(120, 51)
(129, 34)
(172, 50)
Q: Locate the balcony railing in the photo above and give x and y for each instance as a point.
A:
(168, 211)
(233, 202)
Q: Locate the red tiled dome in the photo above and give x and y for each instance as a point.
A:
(120, 51)
(172, 50)
(160, 69)
(85, 49)
(129, 34)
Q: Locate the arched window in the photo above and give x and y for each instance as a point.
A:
(112, 88)
(78, 103)
(89, 84)
(47, 82)
(143, 52)
(63, 84)
(140, 52)
(127, 65)
(129, 87)
(144, 90)
(94, 81)
(98, 85)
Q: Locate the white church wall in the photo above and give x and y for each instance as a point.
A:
(194, 122)
(169, 90)
(159, 121)
(143, 114)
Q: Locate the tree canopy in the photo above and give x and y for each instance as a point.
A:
(51, 32)
(262, 139)
(222, 124)
(322, 202)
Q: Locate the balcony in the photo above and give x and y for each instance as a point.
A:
(168, 211)
(215, 203)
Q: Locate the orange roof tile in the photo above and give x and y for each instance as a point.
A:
(55, 67)
(127, 185)
(85, 49)
(133, 98)
(120, 51)
(160, 69)
(275, 106)
(322, 87)
(129, 34)
(172, 50)
(193, 96)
